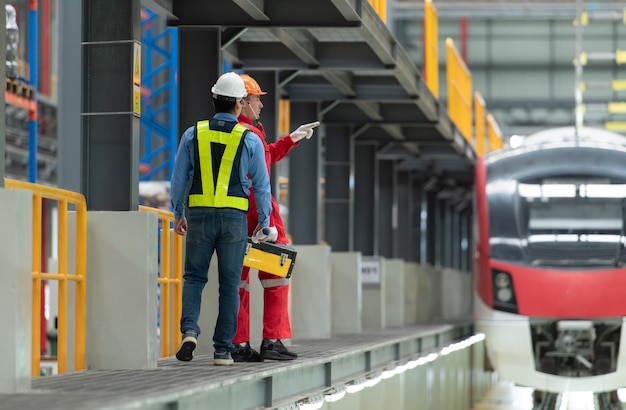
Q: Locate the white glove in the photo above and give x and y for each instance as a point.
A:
(303, 131)
(273, 236)
(261, 236)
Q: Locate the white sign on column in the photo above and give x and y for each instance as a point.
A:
(370, 271)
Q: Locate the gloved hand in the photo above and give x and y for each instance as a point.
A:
(303, 131)
(261, 234)
(267, 234)
(273, 236)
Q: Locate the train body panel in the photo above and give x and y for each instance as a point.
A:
(510, 351)
(550, 260)
(565, 294)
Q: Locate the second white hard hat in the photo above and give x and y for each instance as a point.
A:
(229, 86)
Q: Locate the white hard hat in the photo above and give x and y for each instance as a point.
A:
(229, 87)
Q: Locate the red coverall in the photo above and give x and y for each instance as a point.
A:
(276, 324)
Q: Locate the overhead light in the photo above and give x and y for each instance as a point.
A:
(374, 380)
(356, 386)
(335, 394)
(516, 140)
(311, 403)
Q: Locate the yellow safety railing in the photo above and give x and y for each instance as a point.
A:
(171, 281)
(284, 114)
(63, 198)
(493, 134)
(479, 124)
(381, 8)
(431, 46)
(459, 81)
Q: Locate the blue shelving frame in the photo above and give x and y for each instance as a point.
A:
(159, 121)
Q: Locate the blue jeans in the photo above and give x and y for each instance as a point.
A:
(225, 231)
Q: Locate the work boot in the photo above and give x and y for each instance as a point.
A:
(187, 346)
(245, 354)
(222, 358)
(276, 351)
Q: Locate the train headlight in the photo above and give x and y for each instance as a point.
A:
(502, 280)
(503, 291)
(504, 295)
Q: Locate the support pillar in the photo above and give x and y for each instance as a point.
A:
(16, 290)
(365, 199)
(199, 66)
(402, 216)
(415, 224)
(69, 164)
(339, 189)
(122, 255)
(429, 233)
(305, 162)
(110, 119)
(386, 203)
(3, 46)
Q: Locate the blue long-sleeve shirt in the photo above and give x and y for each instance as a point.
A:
(252, 163)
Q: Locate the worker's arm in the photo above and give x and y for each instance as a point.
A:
(253, 162)
(279, 149)
(183, 173)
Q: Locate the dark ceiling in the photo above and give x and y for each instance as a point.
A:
(340, 54)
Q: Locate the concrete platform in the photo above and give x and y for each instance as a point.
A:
(322, 364)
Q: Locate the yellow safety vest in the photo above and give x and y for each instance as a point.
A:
(216, 183)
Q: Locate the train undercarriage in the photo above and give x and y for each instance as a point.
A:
(576, 348)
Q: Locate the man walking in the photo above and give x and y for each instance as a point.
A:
(211, 167)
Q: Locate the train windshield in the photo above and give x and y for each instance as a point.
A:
(560, 222)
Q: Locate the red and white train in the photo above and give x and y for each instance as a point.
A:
(550, 261)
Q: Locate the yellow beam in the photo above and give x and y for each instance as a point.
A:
(616, 107)
(431, 44)
(615, 125)
(620, 56)
(618, 85)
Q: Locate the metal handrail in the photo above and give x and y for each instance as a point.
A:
(494, 135)
(459, 80)
(63, 197)
(171, 299)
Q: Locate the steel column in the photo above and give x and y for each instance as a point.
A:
(33, 74)
(305, 180)
(415, 220)
(429, 236)
(403, 217)
(3, 57)
(365, 198)
(455, 238)
(69, 164)
(199, 66)
(387, 201)
(339, 188)
(110, 125)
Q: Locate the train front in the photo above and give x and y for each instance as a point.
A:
(550, 269)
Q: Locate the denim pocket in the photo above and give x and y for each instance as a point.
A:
(234, 226)
(195, 228)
